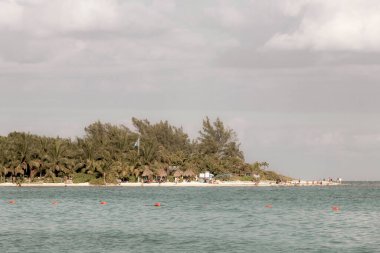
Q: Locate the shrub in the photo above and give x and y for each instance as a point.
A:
(53, 180)
(246, 178)
(271, 175)
(97, 181)
(111, 179)
(132, 179)
(82, 177)
(57, 180)
(226, 177)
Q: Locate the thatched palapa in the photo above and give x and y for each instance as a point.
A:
(147, 172)
(189, 173)
(161, 173)
(178, 173)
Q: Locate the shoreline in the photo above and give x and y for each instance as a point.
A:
(184, 184)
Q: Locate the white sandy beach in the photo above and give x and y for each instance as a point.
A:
(184, 184)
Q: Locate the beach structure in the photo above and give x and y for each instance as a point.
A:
(177, 175)
(206, 176)
(161, 175)
(147, 174)
(189, 175)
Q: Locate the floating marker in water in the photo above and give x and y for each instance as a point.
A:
(103, 203)
(12, 202)
(54, 203)
(268, 206)
(157, 204)
(335, 208)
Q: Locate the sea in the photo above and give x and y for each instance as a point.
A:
(191, 219)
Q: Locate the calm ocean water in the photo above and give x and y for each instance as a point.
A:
(191, 219)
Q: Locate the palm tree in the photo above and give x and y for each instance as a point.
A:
(88, 158)
(120, 145)
(36, 167)
(58, 163)
(107, 167)
(3, 161)
(123, 167)
(149, 151)
(17, 153)
(3, 173)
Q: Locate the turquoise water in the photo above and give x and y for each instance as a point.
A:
(221, 219)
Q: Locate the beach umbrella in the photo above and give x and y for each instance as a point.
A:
(189, 173)
(147, 172)
(178, 173)
(161, 173)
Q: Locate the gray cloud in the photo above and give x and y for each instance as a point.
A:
(331, 25)
(310, 110)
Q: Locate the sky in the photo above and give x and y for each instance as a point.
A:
(297, 80)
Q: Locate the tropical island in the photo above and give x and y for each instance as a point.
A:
(112, 155)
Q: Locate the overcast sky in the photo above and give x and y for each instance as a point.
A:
(297, 80)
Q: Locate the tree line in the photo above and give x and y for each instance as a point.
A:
(109, 153)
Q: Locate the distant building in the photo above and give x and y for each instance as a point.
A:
(206, 176)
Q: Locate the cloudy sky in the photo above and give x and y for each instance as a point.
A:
(297, 80)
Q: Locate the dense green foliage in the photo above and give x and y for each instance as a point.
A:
(109, 153)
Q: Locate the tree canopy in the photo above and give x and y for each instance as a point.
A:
(107, 153)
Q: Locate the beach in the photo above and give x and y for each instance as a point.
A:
(185, 184)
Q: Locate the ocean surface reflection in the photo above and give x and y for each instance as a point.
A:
(207, 219)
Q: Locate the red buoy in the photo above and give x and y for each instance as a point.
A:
(269, 206)
(335, 208)
(157, 204)
(12, 202)
(103, 203)
(54, 203)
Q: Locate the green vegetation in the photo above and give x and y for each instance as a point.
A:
(110, 154)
